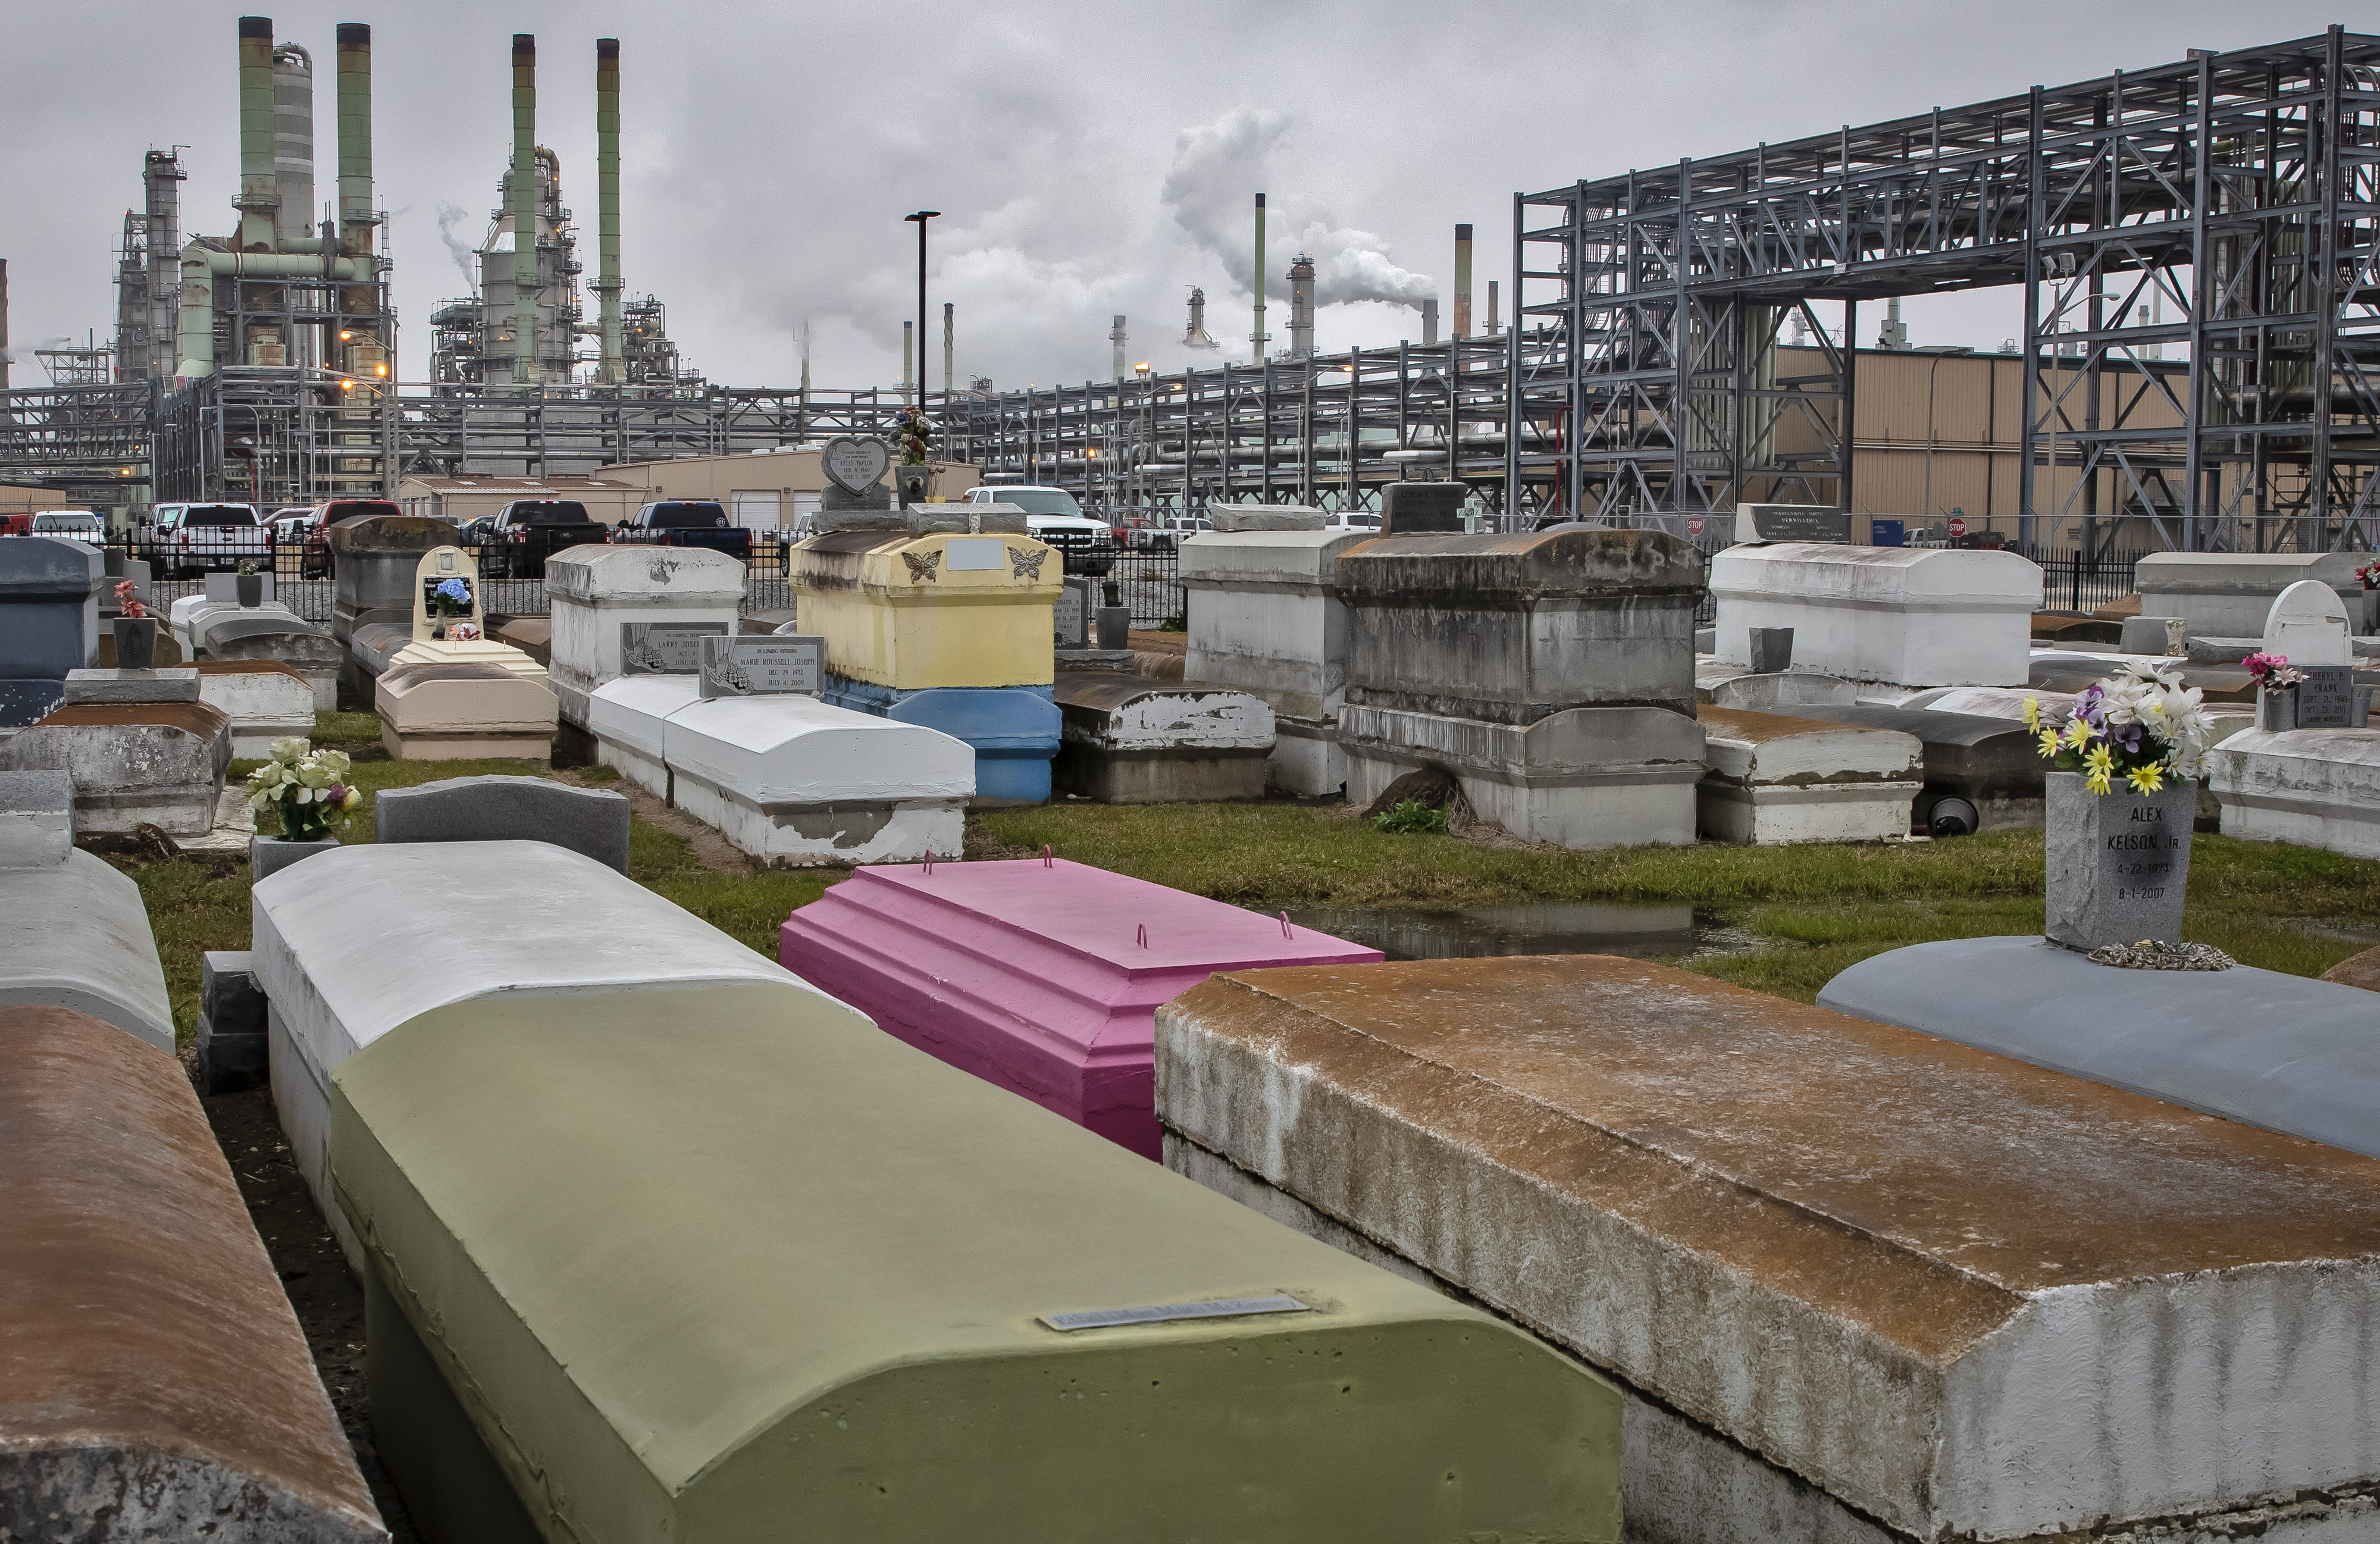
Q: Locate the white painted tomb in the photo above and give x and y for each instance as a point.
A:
(133, 763)
(2308, 624)
(1895, 618)
(1265, 616)
(1776, 779)
(351, 944)
(440, 711)
(595, 592)
(264, 699)
(787, 778)
(2228, 595)
(2315, 787)
(74, 931)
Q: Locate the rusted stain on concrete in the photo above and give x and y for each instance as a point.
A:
(1511, 569)
(153, 1381)
(2357, 970)
(1961, 1293)
(195, 718)
(249, 667)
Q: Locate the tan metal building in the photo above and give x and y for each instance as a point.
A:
(458, 499)
(764, 491)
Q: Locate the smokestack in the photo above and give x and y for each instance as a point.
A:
(612, 369)
(908, 344)
(1196, 337)
(1462, 280)
(4, 324)
(950, 339)
(524, 209)
(260, 193)
(1117, 337)
(1429, 320)
(161, 177)
(1257, 337)
(1301, 308)
(1493, 327)
(357, 215)
(293, 141)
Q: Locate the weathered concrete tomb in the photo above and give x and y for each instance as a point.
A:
(620, 611)
(1126, 739)
(133, 763)
(1862, 1283)
(1891, 618)
(154, 1382)
(1775, 778)
(74, 933)
(1038, 976)
(1551, 674)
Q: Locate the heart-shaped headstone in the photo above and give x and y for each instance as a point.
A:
(855, 465)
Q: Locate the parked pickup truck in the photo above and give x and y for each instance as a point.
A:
(686, 523)
(528, 532)
(193, 537)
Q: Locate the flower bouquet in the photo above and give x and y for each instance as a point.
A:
(308, 786)
(913, 437)
(2277, 702)
(450, 598)
(2369, 574)
(128, 602)
(2140, 727)
(135, 629)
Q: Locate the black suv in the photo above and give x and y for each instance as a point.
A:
(686, 523)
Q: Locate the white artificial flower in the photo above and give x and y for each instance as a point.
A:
(2124, 697)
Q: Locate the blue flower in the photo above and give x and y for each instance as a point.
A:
(455, 589)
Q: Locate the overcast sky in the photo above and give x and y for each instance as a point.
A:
(1089, 160)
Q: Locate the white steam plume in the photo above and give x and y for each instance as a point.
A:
(1217, 169)
(449, 216)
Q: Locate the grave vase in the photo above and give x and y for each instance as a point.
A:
(2119, 862)
(269, 855)
(136, 643)
(2276, 709)
(252, 590)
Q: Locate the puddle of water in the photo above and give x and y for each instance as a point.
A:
(1569, 928)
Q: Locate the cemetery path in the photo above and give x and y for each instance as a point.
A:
(327, 1297)
(711, 850)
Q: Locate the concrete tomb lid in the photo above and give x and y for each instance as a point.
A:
(36, 820)
(1234, 519)
(1965, 579)
(152, 1373)
(2274, 1051)
(377, 535)
(1837, 744)
(2308, 623)
(1286, 557)
(683, 1304)
(247, 667)
(641, 575)
(75, 934)
(46, 567)
(2241, 573)
(1889, 1263)
(591, 820)
(190, 717)
(799, 750)
(1577, 561)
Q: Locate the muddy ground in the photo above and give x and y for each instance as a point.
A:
(328, 1299)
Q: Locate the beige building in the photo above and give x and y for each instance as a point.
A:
(771, 489)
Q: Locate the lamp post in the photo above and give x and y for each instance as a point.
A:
(920, 218)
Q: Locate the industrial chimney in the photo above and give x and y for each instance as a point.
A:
(950, 342)
(611, 369)
(357, 213)
(1257, 337)
(1462, 280)
(1493, 327)
(1119, 337)
(1301, 308)
(293, 142)
(525, 284)
(161, 177)
(260, 193)
(1196, 337)
(1429, 320)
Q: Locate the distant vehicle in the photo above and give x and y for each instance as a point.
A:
(289, 523)
(528, 532)
(1166, 531)
(313, 530)
(76, 525)
(196, 537)
(686, 523)
(1346, 520)
(1053, 516)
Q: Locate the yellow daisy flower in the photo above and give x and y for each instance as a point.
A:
(2079, 733)
(2096, 781)
(2049, 740)
(2148, 779)
(2032, 713)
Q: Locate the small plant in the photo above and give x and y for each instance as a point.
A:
(130, 603)
(1410, 818)
(248, 569)
(309, 786)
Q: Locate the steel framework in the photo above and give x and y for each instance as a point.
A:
(2242, 187)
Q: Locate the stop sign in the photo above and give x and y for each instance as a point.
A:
(1694, 525)
(1958, 526)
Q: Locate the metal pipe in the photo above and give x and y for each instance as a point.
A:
(260, 193)
(1257, 337)
(610, 367)
(1462, 280)
(4, 324)
(525, 278)
(357, 215)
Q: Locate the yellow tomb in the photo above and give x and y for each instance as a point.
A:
(909, 613)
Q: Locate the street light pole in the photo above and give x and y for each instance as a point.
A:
(921, 217)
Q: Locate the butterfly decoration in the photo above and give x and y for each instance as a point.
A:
(922, 566)
(1027, 566)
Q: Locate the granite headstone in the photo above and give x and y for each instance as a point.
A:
(1072, 614)
(767, 666)
(2119, 863)
(856, 466)
(2326, 698)
(48, 622)
(589, 820)
(664, 648)
(232, 1047)
(1421, 508)
(1792, 522)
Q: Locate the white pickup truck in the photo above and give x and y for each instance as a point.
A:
(194, 538)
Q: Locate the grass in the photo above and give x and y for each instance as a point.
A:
(1814, 910)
